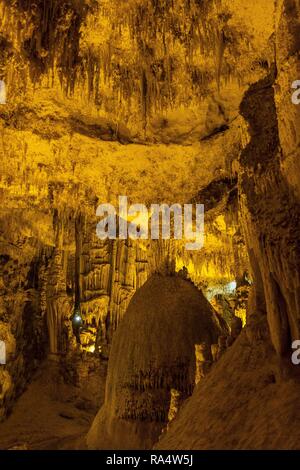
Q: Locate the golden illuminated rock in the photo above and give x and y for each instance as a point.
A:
(161, 101)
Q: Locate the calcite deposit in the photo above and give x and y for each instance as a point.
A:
(164, 102)
(161, 349)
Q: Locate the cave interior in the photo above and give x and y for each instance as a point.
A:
(141, 343)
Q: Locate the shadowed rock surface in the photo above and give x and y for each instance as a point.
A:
(250, 400)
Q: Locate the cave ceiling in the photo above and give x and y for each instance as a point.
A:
(111, 97)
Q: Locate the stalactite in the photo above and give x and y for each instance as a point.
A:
(164, 39)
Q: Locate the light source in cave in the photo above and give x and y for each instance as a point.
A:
(77, 322)
(231, 287)
(221, 289)
(82, 332)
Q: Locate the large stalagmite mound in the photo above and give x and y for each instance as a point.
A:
(152, 356)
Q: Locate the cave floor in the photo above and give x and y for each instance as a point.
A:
(48, 416)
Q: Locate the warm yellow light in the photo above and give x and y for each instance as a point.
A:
(241, 313)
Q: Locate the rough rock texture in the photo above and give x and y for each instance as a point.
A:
(52, 414)
(249, 400)
(230, 413)
(266, 197)
(288, 70)
(154, 351)
(269, 203)
(162, 101)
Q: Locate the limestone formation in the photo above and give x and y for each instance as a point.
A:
(155, 350)
(164, 102)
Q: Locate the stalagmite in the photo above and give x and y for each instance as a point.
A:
(153, 351)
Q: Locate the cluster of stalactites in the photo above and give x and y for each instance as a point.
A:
(148, 55)
(165, 44)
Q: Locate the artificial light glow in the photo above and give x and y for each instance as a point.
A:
(231, 286)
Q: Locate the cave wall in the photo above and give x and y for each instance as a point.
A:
(288, 70)
(269, 199)
(22, 314)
